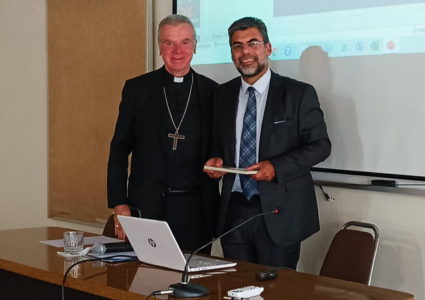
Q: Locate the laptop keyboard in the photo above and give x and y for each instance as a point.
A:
(206, 263)
(200, 263)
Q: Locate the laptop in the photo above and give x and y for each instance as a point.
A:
(154, 244)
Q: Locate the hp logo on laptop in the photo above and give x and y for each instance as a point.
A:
(152, 242)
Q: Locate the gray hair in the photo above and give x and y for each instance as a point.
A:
(175, 20)
(246, 23)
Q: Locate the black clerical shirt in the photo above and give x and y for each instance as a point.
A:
(184, 165)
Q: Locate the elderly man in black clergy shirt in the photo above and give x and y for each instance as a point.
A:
(272, 124)
(164, 122)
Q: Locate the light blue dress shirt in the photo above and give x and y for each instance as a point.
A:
(261, 91)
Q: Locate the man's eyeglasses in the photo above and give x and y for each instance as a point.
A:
(250, 45)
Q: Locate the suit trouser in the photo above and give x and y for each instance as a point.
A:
(251, 242)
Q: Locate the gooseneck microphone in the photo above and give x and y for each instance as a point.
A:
(184, 289)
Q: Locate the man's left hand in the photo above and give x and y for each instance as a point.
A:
(265, 171)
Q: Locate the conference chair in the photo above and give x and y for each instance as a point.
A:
(352, 253)
(109, 229)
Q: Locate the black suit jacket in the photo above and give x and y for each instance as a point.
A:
(141, 131)
(293, 138)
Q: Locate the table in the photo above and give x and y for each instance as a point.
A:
(28, 267)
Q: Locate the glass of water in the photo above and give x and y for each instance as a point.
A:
(73, 242)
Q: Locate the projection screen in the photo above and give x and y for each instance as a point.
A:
(366, 59)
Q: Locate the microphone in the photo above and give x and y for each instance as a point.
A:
(100, 249)
(184, 289)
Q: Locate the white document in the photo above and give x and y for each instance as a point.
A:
(91, 240)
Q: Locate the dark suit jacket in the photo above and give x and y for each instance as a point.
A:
(141, 131)
(293, 138)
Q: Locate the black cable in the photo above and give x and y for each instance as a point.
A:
(329, 198)
(150, 295)
(83, 261)
(165, 292)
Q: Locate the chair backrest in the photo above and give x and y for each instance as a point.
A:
(109, 228)
(352, 253)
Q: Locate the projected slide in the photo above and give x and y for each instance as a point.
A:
(303, 7)
(365, 59)
(341, 27)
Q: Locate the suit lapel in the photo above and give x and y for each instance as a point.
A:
(206, 114)
(232, 102)
(270, 113)
(156, 96)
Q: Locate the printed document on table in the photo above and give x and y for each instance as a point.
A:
(91, 240)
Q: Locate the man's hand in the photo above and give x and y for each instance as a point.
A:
(214, 162)
(265, 171)
(120, 210)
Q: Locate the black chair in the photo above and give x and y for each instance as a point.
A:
(109, 228)
(352, 253)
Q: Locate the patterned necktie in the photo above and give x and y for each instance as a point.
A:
(248, 147)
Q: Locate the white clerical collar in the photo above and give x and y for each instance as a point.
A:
(178, 79)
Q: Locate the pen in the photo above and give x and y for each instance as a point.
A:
(234, 298)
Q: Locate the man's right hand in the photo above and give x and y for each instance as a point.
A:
(120, 210)
(214, 162)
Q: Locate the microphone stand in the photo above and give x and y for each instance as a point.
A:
(184, 289)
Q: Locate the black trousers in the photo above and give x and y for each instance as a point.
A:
(251, 242)
(183, 214)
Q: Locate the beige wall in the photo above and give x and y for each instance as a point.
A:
(23, 116)
(23, 161)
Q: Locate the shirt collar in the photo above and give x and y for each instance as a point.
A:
(260, 85)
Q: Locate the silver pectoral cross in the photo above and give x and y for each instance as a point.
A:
(176, 137)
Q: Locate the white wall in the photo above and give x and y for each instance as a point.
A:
(24, 146)
(399, 217)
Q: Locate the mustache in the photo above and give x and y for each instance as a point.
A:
(248, 57)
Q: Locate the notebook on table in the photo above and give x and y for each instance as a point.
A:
(154, 244)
